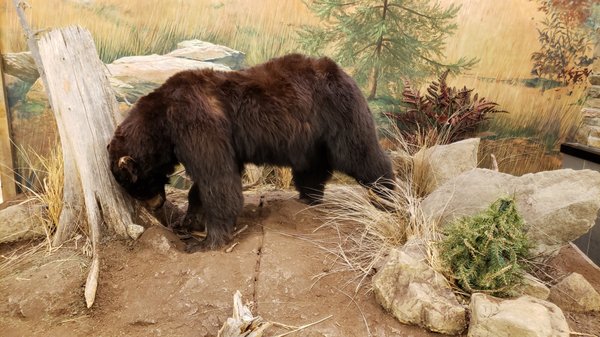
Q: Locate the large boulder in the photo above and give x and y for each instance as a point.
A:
(20, 222)
(20, 65)
(444, 162)
(525, 316)
(557, 206)
(209, 52)
(135, 76)
(575, 293)
(414, 293)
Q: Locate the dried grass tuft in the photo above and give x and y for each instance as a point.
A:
(282, 177)
(366, 233)
(43, 180)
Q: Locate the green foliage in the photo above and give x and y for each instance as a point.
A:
(383, 40)
(382, 107)
(565, 41)
(452, 113)
(482, 253)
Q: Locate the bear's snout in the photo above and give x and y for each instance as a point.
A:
(155, 203)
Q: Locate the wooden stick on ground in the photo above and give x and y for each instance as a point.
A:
(242, 323)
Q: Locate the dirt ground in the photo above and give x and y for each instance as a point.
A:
(150, 288)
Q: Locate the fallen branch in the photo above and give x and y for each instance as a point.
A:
(243, 324)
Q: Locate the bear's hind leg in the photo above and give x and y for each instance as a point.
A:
(311, 183)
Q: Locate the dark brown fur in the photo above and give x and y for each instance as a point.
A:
(293, 111)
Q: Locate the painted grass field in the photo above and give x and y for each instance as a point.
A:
(501, 34)
(261, 28)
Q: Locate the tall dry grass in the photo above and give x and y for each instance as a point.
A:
(260, 28)
(368, 226)
(517, 156)
(549, 116)
(503, 35)
(44, 183)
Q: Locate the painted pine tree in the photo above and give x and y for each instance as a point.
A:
(383, 40)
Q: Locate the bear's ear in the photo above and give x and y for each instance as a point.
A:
(128, 166)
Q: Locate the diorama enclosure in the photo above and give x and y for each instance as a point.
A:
(487, 112)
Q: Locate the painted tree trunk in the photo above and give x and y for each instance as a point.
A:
(7, 177)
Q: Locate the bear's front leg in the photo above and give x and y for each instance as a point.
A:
(217, 237)
(192, 222)
(221, 202)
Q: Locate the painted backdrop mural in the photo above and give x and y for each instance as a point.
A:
(528, 58)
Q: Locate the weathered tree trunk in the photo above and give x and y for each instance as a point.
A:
(85, 108)
(378, 50)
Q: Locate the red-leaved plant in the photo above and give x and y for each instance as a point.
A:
(451, 114)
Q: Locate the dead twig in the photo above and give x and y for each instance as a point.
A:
(92, 282)
(230, 249)
(239, 231)
(359, 309)
(300, 328)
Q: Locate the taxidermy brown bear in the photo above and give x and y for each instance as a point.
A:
(304, 113)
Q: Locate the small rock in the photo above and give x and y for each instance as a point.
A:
(414, 293)
(525, 316)
(135, 231)
(161, 239)
(533, 287)
(20, 65)
(575, 293)
(444, 162)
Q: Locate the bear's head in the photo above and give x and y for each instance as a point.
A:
(141, 153)
(143, 179)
